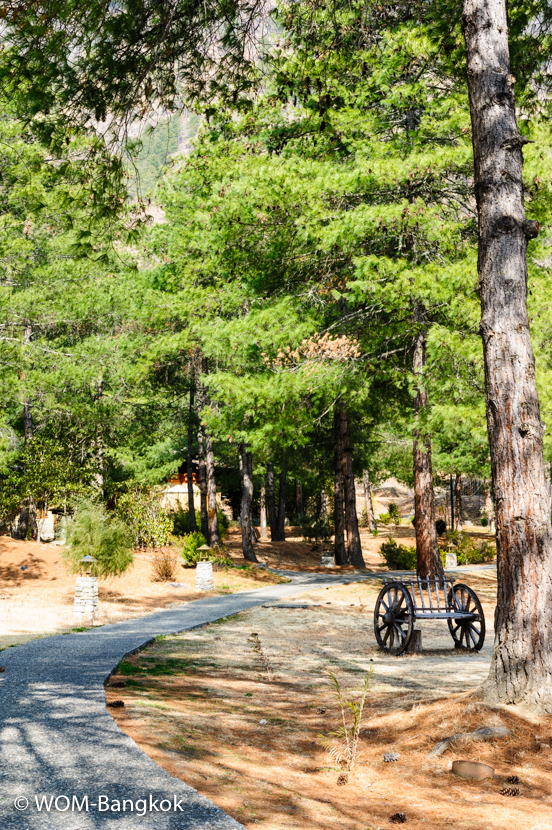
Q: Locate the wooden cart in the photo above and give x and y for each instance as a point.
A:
(403, 601)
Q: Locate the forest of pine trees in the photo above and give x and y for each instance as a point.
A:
(330, 260)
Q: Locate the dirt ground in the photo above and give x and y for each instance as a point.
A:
(36, 590)
(243, 726)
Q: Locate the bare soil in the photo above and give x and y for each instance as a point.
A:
(37, 591)
(197, 704)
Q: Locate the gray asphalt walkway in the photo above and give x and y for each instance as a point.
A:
(57, 740)
(62, 754)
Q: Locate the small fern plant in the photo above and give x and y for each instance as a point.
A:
(342, 744)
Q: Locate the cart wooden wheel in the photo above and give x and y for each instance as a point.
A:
(468, 633)
(393, 618)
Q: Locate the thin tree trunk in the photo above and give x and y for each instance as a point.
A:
(458, 508)
(202, 476)
(264, 534)
(298, 497)
(27, 411)
(428, 558)
(271, 502)
(246, 503)
(189, 458)
(368, 499)
(214, 533)
(354, 548)
(521, 667)
(323, 506)
(281, 518)
(489, 511)
(339, 519)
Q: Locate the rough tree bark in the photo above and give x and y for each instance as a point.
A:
(354, 548)
(368, 499)
(521, 667)
(339, 519)
(323, 506)
(246, 468)
(298, 497)
(428, 559)
(202, 481)
(264, 534)
(489, 509)
(214, 533)
(27, 411)
(271, 502)
(281, 517)
(458, 507)
(189, 457)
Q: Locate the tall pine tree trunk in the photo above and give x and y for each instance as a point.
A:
(521, 668)
(214, 533)
(264, 534)
(458, 507)
(246, 468)
(27, 411)
(323, 506)
(354, 548)
(298, 497)
(281, 517)
(339, 522)
(428, 559)
(272, 519)
(489, 510)
(202, 481)
(189, 458)
(368, 499)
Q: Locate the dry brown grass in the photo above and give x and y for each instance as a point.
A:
(38, 601)
(201, 722)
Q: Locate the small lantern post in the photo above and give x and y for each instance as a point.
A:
(451, 559)
(86, 607)
(204, 570)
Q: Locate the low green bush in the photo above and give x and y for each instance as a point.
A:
(394, 514)
(398, 557)
(105, 537)
(316, 531)
(468, 551)
(192, 555)
(384, 519)
(181, 523)
(146, 519)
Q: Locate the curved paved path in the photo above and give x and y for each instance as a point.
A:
(57, 739)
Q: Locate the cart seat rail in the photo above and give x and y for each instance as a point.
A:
(430, 597)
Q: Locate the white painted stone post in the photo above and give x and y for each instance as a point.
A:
(204, 576)
(86, 608)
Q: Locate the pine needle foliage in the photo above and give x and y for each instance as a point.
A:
(95, 533)
(342, 744)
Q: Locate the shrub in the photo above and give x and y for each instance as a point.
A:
(181, 522)
(468, 551)
(316, 531)
(484, 520)
(164, 566)
(94, 533)
(394, 514)
(191, 553)
(440, 527)
(148, 522)
(398, 557)
(384, 519)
